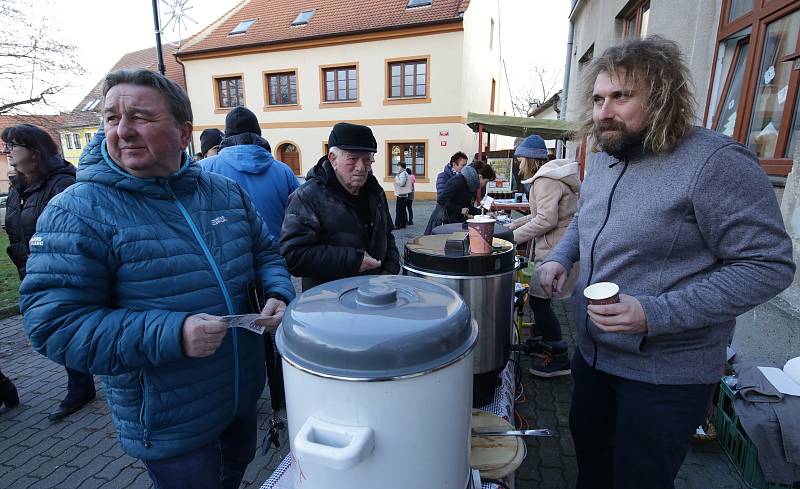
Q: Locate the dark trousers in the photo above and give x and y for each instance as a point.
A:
(80, 387)
(217, 465)
(410, 211)
(629, 434)
(400, 219)
(545, 322)
(277, 392)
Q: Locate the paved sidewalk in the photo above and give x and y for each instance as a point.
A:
(82, 452)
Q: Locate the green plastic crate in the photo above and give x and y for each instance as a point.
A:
(738, 446)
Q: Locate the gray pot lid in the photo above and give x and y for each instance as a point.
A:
(376, 328)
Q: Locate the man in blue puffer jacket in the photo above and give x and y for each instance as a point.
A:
(129, 274)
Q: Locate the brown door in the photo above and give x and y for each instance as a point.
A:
(290, 156)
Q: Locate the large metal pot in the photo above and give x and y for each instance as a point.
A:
(485, 282)
(378, 394)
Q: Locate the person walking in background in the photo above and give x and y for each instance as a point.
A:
(457, 162)
(410, 197)
(402, 187)
(210, 140)
(456, 202)
(41, 174)
(553, 199)
(686, 223)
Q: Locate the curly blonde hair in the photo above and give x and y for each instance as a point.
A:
(656, 65)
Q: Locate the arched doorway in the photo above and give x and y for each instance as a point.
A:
(289, 154)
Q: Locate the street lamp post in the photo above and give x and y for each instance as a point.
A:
(161, 68)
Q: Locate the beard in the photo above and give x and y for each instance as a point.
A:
(619, 141)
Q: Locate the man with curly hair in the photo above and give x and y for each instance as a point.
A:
(686, 223)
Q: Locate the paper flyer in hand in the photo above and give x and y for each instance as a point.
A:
(246, 321)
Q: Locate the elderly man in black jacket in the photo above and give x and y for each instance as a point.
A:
(337, 224)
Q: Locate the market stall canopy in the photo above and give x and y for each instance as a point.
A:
(521, 126)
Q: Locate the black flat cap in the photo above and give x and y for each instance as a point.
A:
(241, 120)
(209, 138)
(352, 137)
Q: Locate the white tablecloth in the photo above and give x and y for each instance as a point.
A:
(502, 405)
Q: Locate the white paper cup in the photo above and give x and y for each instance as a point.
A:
(602, 293)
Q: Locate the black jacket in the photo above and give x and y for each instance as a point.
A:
(322, 238)
(455, 196)
(25, 205)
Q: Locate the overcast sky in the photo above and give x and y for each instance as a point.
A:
(533, 32)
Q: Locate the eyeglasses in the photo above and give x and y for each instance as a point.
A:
(8, 147)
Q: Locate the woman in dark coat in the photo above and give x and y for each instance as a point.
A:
(457, 200)
(41, 173)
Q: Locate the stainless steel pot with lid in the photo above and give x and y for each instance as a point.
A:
(485, 282)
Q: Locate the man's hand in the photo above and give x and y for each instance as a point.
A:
(368, 263)
(201, 335)
(552, 277)
(625, 317)
(273, 314)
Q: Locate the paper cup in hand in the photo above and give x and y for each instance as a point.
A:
(602, 293)
(481, 234)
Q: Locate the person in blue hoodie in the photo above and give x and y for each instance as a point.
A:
(246, 158)
(130, 272)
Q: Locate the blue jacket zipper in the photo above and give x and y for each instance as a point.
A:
(224, 289)
(143, 414)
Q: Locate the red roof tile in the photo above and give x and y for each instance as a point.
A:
(145, 58)
(273, 19)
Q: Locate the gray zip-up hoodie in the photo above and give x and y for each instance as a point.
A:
(696, 236)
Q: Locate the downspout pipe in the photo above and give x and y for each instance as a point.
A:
(560, 146)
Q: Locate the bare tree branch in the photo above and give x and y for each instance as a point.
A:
(545, 83)
(34, 60)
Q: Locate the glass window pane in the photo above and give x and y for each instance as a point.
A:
(330, 95)
(342, 94)
(421, 68)
(773, 85)
(329, 76)
(395, 91)
(330, 86)
(794, 146)
(351, 73)
(739, 8)
(645, 20)
(730, 104)
(420, 79)
(421, 90)
(351, 84)
(421, 151)
(395, 70)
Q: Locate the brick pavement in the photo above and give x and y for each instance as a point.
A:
(82, 451)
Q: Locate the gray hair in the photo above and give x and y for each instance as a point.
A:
(179, 104)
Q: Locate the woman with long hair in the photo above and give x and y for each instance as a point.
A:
(553, 197)
(41, 174)
(456, 201)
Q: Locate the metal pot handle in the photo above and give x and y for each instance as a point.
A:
(335, 446)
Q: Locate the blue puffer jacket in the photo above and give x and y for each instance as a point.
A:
(266, 180)
(118, 263)
(442, 178)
